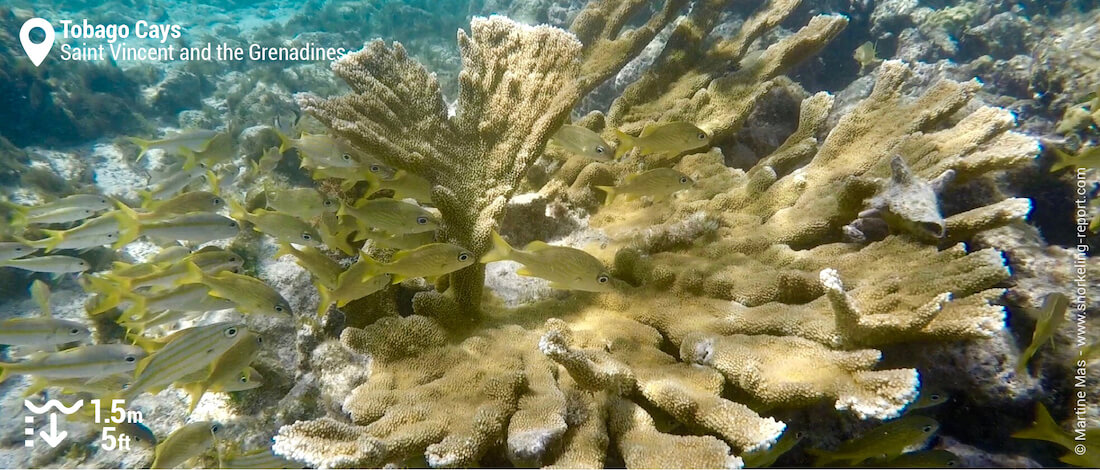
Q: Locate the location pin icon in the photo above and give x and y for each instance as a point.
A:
(37, 52)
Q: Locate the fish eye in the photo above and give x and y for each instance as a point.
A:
(279, 308)
(702, 136)
(328, 202)
(217, 201)
(799, 434)
(18, 249)
(232, 259)
(244, 379)
(375, 168)
(935, 397)
(233, 224)
(463, 256)
(230, 332)
(421, 220)
(259, 339)
(683, 180)
(599, 149)
(603, 279)
(305, 236)
(927, 428)
(215, 428)
(952, 463)
(74, 331)
(131, 359)
(346, 157)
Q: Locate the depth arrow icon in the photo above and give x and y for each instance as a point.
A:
(53, 438)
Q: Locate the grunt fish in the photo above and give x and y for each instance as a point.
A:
(670, 137)
(657, 184)
(582, 141)
(565, 267)
(431, 260)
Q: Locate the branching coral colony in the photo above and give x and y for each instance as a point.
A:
(747, 292)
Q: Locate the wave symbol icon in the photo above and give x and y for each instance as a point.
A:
(68, 410)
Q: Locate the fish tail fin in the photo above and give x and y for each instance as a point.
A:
(325, 299)
(33, 243)
(53, 238)
(195, 391)
(1064, 160)
(18, 213)
(626, 143)
(236, 210)
(194, 275)
(5, 372)
(373, 268)
(142, 144)
(189, 158)
(610, 190)
(501, 250)
(135, 311)
(284, 142)
(129, 228)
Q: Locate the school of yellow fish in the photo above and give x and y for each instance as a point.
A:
(188, 212)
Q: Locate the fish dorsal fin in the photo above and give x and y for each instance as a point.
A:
(536, 246)
(141, 365)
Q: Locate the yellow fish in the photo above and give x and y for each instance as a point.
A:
(1044, 428)
(187, 442)
(1051, 316)
(565, 267)
(189, 350)
(435, 259)
(197, 227)
(96, 360)
(220, 148)
(670, 137)
(886, 441)
(260, 458)
(582, 141)
(318, 150)
(767, 457)
(335, 231)
(355, 283)
(193, 201)
(59, 216)
(391, 216)
(173, 142)
(56, 264)
(66, 209)
(13, 250)
(102, 230)
(657, 184)
(304, 203)
(282, 227)
(324, 269)
(406, 185)
(936, 458)
(174, 183)
(1088, 158)
(250, 295)
(865, 55)
(929, 398)
(226, 368)
(43, 330)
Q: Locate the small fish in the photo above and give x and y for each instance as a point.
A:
(355, 283)
(40, 292)
(13, 250)
(865, 55)
(246, 379)
(96, 360)
(335, 231)
(670, 137)
(657, 184)
(318, 150)
(406, 185)
(565, 267)
(268, 161)
(187, 442)
(210, 261)
(192, 201)
(401, 242)
(189, 350)
(582, 141)
(886, 441)
(304, 203)
(99, 386)
(171, 254)
(173, 184)
(41, 331)
(198, 227)
(435, 259)
(220, 148)
(767, 457)
(173, 142)
(227, 368)
(282, 227)
(1088, 157)
(324, 269)
(260, 458)
(929, 398)
(139, 433)
(391, 216)
(49, 264)
(1051, 316)
(250, 295)
(1044, 428)
(102, 230)
(176, 298)
(59, 216)
(94, 202)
